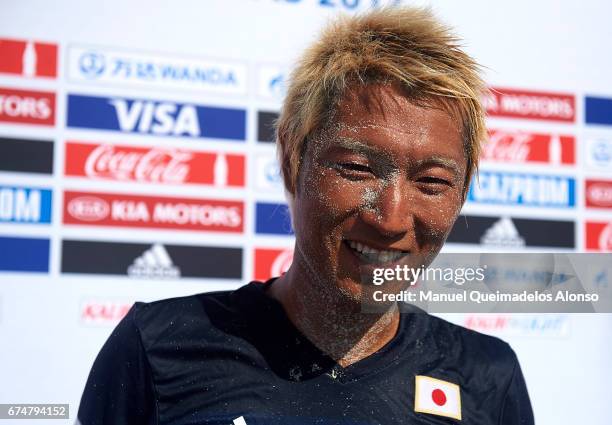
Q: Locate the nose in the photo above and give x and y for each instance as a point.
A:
(389, 209)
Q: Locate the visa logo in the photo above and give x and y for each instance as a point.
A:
(160, 118)
(21, 205)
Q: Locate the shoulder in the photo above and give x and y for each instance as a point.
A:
(484, 355)
(182, 318)
(476, 343)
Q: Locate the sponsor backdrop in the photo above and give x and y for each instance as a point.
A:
(137, 163)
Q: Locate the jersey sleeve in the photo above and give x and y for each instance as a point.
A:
(120, 389)
(516, 409)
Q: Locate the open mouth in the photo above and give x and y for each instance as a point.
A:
(369, 254)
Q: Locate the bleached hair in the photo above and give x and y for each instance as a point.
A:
(404, 45)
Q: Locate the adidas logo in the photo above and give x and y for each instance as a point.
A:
(503, 233)
(154, 263)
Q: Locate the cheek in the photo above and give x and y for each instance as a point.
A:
(436, 218)
(335, 198)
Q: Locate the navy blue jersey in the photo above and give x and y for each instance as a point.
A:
(234, 357)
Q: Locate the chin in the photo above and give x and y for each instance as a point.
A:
(351, 290)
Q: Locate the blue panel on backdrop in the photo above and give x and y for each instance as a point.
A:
(25, 205)
(522, 189)
(24, 254)
(598, 110)
(158, 118)
(272, 219)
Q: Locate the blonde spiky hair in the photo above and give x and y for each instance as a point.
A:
(408, 46)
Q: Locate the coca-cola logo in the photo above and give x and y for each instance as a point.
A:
(507, 146)
(152, 166)
(88, 208)
(281, 263)
(600, 194)
(605, 238)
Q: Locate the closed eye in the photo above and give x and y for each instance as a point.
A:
(354, 171)
(435, 180)
(434, 185)
(352, 166)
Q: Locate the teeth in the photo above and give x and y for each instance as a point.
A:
(376, 255)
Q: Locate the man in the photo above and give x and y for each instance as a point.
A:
(378, 139)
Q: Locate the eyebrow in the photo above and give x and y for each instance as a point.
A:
(362, 147)
(357, 145)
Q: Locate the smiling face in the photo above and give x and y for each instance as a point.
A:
(386, 180)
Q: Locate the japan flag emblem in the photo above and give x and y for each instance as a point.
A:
(437, 397)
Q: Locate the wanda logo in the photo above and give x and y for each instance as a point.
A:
(153, 166)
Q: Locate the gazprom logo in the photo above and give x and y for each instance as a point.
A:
(25, 205)
(523, 189)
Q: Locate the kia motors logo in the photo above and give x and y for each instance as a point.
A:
(92, 64)
(27, 107)
(88, 208)
(599, 193)
(528, 104)
(110, 209)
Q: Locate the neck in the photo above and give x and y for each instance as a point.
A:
(330, 319)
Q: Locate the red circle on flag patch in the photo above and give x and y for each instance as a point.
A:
(438, 397)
